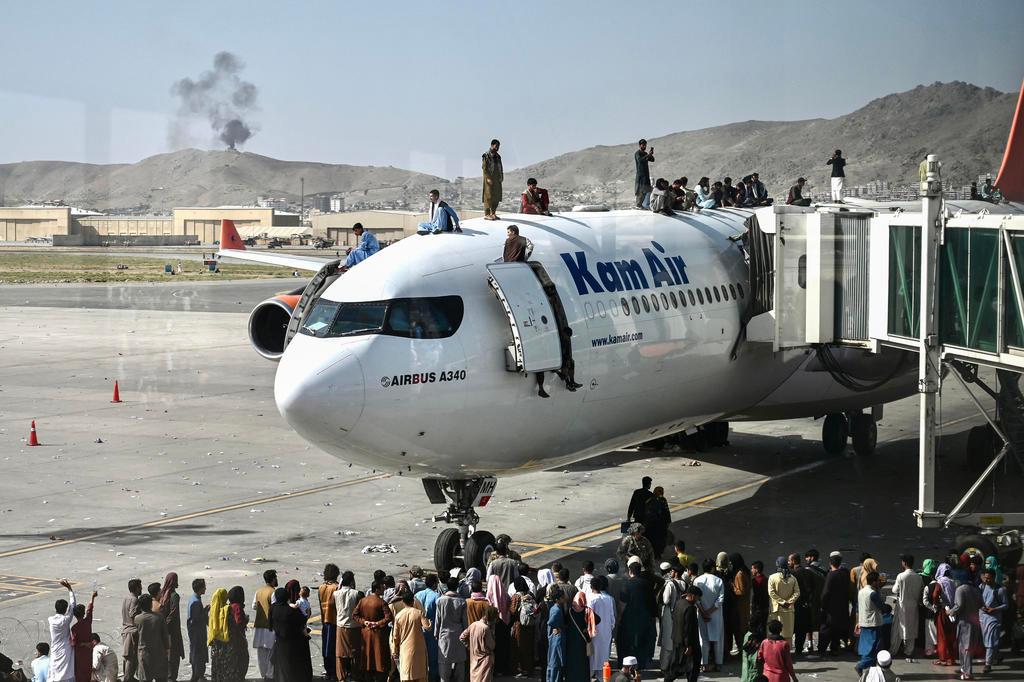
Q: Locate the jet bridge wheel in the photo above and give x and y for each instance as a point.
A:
(834, 432)
(447, 551)
(864, 433)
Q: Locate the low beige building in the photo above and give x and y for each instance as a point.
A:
(385, 225)
(198, 225)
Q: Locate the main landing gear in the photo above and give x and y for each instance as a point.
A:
(463, 546)
(837, 428)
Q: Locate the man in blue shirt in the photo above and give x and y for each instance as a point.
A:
(198, 619)
(41, 663)
(556, 628)
(443, 217)
(368, 245)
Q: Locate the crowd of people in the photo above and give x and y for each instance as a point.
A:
(682, 617)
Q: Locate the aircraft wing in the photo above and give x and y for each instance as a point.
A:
(232, 246)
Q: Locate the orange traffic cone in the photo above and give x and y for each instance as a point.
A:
(32, 438)
(117, 394)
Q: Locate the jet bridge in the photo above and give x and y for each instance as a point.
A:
(930, 278)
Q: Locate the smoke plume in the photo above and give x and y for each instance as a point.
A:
(222, 97)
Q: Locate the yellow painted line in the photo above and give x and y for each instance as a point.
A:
(541, 544)
(166, 521)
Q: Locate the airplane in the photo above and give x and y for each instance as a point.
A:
(424, 358)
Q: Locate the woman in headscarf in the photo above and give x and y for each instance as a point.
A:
(229, 650)
(545, 578)
(992, 563)
(290, 654)
(783, 592)
(741, 591)
(580, 629)
(729, 614)
(466, 584)
(927, 614)
(869, 566)
(943, 595)
(524, 628)
(497, 596)
(170, 610)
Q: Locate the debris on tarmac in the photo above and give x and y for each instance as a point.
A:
(524, 499)
(384, 548)
(103, 568)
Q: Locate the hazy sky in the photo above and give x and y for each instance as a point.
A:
(426, 85)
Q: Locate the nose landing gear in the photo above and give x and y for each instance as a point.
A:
(463, 546)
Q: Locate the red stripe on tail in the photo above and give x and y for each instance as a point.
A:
(1011, 174)
(229, 238)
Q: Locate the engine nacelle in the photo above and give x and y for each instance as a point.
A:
(268, 325)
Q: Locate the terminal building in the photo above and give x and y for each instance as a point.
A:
(68, 226)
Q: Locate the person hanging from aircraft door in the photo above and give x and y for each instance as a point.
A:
(517, 250)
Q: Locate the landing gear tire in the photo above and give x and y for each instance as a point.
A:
(834, 432)
(446, 551)
(864, 433)
(478, 549)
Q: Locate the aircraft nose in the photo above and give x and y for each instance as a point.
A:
(319, 389)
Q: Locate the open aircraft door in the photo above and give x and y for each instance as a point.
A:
(536, 346)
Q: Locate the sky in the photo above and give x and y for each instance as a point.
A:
(426, 85)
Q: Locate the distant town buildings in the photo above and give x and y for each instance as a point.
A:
(280, 204)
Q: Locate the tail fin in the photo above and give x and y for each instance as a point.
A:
(1011, 174)
(229, 239)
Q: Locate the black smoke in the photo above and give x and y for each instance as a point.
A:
(222, 97)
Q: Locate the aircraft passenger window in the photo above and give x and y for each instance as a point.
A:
(725, 292)
(732, 290)
(318, 321)
(589, 310)
(600, 309)
(718, 297)
(700, 296)
(647, 306)
(675, 301)
(692, 300)
(654, 301)
(707, 293)
(424, 318)
(664, 300)
(625, 306)
(739, 288)
(636, 305)
(359, 318)
(613, 309)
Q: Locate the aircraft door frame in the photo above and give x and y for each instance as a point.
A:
(536, 342)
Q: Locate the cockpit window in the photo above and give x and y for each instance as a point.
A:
(424, 318)
(416, 318)
(319, 320)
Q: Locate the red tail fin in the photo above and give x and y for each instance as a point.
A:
(229, 239)
(1011, 174)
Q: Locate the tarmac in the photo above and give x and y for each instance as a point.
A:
(195, 472)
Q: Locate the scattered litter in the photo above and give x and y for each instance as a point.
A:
(51, 520)
(119, 554)
(693, 463)
(224, 558)
(561, 526)
(206, 568)
(346, 532)
(98, 440)
(524, 499)
(328, 504)
(384, 548)
(259, 560)
(255, 511)
(103, 568)
(196, 483)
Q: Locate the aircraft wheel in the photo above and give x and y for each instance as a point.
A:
(478, 549)
(976, 544)
(446, 551)
(864, 433)
(834, 432)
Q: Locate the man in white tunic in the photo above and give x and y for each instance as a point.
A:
(711, 624)
(670, 595)
(907, 589)
(62, 654)
(604, 608)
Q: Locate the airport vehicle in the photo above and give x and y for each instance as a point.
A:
(422, 359)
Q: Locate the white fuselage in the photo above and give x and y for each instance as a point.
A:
(449, 408)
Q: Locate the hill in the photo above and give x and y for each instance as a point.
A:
(192, 177)
(884, 141)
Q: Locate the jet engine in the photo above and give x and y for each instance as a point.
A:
(268, 324)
